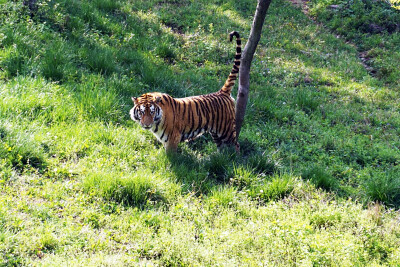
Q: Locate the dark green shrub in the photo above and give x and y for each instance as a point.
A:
(383, 187)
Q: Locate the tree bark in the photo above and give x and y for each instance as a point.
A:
(247, 57)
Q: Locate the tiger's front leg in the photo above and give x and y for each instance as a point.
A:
(172, 144)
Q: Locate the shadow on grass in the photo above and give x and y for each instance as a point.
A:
(220, 176)
(201, 173)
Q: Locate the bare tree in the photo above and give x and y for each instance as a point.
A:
(247, 57)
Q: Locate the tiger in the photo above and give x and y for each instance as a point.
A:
(174, 120)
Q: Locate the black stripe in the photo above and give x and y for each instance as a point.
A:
(221, 110)
(213, 117)
(162, 135)
(184, 110)
(217, 114)
(204, 104)
(173, 103)
(192, 113)
(238, 56)
(211, 114)
(238, 50)
(200, 121)
(226, 130)
(156, 129)
(199, 114)
(229, 85)
(230, 136)
(226, 113)
(197, 107)
(205, 110)
(165, 98)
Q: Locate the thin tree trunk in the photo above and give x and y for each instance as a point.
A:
(247, 57)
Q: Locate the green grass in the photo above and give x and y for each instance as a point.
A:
(81, 184)
(372, 25)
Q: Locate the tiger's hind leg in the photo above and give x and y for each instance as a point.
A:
(222, 142)
(217, 140)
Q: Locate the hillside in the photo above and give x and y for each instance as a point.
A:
(317, 181)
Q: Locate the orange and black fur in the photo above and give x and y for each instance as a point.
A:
(173, 120)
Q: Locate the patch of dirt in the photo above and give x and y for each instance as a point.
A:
(363, 56)
(301, 4)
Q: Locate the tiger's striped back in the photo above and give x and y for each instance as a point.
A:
(214, 113)
(173, 120)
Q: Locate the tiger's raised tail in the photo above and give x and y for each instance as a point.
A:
(230, 82)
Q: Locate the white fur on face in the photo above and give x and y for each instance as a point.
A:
(132, 114)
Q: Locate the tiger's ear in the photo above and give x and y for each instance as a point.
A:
(134, 99)
(158, 99)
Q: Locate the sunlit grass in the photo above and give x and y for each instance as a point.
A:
(81, 184)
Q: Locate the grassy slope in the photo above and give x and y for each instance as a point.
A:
(82, 184)
(373, 26)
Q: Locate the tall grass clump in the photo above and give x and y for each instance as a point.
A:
(100, 59)
(19, 151)
(94, 99)
(261, 187)
(107, 5)
(272, 188)
(383, 187)
(27, 99)
(320, 177)
(263, 164)
(305, 100)
(164, 51)
(55, 61)
(12, 61)
(139, 189)
(223, 196)
(219, 166)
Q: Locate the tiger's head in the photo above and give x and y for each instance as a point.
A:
(146, 111)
